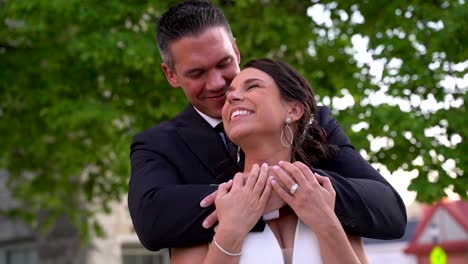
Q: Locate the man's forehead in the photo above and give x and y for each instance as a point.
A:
(216, 36)
(209, 47)
(219, 31)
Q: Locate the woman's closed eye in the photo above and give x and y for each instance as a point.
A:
(251, 86)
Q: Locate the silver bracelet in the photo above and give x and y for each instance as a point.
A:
(225, 251)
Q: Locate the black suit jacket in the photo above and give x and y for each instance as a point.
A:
(174, 163)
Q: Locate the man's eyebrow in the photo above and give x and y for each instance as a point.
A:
(193, 70)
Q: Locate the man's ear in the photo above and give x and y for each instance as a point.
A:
(296, 110)
(170, 75)
(236, 50)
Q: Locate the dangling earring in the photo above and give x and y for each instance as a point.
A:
(238, 154)
(288, 128)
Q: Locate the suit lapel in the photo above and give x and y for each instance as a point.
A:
(202, 140)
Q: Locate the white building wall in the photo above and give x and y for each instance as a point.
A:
(443, 227)
(388, 253)
(117, 224)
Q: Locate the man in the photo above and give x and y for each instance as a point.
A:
(175, 164)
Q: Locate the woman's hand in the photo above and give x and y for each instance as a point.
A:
(314, 199)
(240, 207)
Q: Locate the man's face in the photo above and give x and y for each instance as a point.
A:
(204, 66)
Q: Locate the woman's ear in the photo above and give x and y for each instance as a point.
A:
(296, 110)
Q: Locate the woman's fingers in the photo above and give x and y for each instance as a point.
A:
(229, 184)
(283, 178)
(238, 181)
(252, 176)
(326, 183)
(261, 180)
(281, 192)
(265, 194)
(306, 171)
(294, 172)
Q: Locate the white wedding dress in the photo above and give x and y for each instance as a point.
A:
(262, 247)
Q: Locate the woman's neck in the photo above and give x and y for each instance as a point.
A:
(268, 154)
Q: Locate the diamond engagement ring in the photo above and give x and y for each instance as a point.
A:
(294, 188)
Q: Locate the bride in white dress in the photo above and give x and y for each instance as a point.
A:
(269, 114)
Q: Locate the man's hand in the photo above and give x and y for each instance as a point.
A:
(208, 201)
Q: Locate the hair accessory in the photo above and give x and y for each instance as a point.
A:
(288, 128)
(225, 251)
(306, 128)
(294, 188)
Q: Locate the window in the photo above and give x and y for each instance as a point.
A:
(143, 259)
(18, 256)
(136, 254)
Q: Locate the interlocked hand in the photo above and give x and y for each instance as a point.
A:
(244, 203)
(313, 201)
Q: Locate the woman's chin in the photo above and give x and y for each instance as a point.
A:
(238, 136)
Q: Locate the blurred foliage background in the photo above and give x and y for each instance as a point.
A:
(79, 78)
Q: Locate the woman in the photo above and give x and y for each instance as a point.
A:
(269, 114)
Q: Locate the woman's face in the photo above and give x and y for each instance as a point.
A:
(254, 107)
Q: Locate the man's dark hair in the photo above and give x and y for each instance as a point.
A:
(188, 18)
(309, 144)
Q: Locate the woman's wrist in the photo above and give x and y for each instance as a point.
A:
(334, 244)
(326, 225)
(229, 238)
(331, 227)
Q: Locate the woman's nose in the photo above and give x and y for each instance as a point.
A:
(234, 95)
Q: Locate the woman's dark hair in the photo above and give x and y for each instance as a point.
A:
(309, 144)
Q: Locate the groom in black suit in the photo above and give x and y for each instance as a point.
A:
(179, 162)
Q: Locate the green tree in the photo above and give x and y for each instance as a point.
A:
(422, 47)
(79, 78)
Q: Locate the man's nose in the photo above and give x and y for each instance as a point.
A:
(215, 81)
